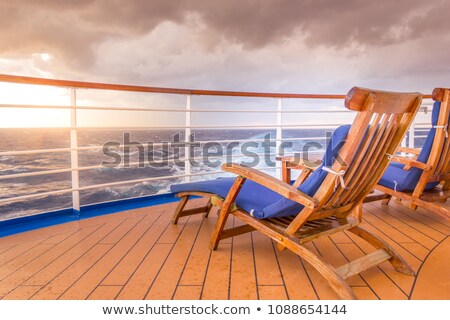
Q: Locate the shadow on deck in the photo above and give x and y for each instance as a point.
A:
(139, 254)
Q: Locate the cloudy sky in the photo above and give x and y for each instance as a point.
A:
(262, 45)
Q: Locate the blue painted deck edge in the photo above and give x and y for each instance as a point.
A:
(42, 220)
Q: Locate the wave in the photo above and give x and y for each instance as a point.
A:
(93, 157)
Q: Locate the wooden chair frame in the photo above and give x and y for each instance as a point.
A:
(333, 208)
(437, 168)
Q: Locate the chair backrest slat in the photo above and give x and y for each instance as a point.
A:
(442, 143)
(439, 156)
(378, 129)
(353, 172)
(376, 153)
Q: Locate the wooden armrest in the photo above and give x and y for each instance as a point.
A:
(415, 151)
(291, 162)
(280, 187)
(411, 162)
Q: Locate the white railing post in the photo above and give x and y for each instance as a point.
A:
(74, 151)
(412, 134)
(279, 135)
(187, 136)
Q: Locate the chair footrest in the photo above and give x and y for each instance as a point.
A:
(375, 197)
(364, 263)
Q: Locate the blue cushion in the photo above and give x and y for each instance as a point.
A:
(402, 180)
(262, 202)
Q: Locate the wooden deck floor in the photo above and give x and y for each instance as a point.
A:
(138, 254)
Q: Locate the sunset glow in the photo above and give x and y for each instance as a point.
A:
(275, 46)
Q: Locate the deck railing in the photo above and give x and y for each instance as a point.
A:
(188, 111)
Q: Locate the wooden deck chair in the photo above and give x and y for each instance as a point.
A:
(424, 179)
(329, 200)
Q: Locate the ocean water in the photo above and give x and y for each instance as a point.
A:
(33, 139)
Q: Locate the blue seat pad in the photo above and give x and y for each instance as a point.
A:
(262, 202)
(396, 178)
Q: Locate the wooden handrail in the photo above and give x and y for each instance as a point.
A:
(132, 88)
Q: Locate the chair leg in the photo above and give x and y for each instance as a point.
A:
(225, 211)
(337, 283)
(208, 208)
(396, 260)
(179, 210)
(387, 200)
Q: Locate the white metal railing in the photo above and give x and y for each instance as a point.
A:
(74, 128)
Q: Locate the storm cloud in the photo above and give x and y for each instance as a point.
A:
(271, 44)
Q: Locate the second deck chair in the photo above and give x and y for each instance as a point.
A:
(329, 200)
(424, 179)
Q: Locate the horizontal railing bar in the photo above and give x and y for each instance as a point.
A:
(133, 88)
(61, 107)
(131, 164)
(153, 179)
(25, 152)
(34, 174)
(156, 144)
(21, 106)
(35, 195)
(182, 127)
(256, 140)
(146, 163)
(144, 180)
(331, 125)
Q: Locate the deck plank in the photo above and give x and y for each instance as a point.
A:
(138, 254)
(117, 234)
(415, 230)
(322, 289)
(167, 280)
(418, 250)
(336, 258)
(400, 235)
(141, 280)
(266, 264)
(243, 278)
(125, 268)
(29, 269)
(340, 237)
(17, 251)
(57, 238)
(411, 257)
(57, 286)
(378, 281)
(422, 220)
(95, 275)
(364, 293)
(187, 293)
(195, 270)
(22, 293)
(433, 280)
(401, 280)
(40, 234)
(16, 263)
(46, 274)
(435, 217)
(272, 293)
(105, 293)
(217, 280)
(298, 284)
